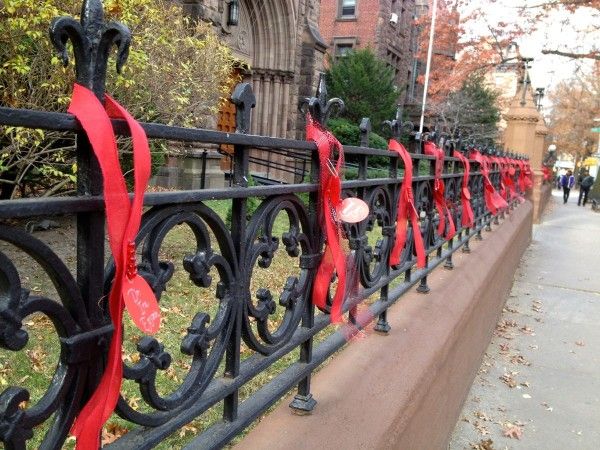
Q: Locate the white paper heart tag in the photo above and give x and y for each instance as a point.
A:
(353, 210)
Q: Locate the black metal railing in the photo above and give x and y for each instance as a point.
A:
(245, 329)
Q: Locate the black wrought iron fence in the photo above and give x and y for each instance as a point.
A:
(236, 329)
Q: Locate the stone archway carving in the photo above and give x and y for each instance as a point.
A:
(266, 39)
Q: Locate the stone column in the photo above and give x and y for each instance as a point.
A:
(522, 124)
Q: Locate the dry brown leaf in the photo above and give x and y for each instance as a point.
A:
(487, 444)
(513, 431)
(187, 429)
(111, 432)
(504, 348)
(483, 430)
(519, 359)
(527, 330)
(580, 343)
(508, 379)
(37, 357)
(481, 415)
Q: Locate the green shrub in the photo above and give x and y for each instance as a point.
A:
(367, 85)
(174, 74)
(349, 134)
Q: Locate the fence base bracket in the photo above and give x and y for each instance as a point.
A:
(303, 404)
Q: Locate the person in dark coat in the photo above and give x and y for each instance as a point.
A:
(584, 188)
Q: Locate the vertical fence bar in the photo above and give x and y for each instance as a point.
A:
(244, 100)
(303, 402)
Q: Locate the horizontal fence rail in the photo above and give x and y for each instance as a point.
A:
(243, 330)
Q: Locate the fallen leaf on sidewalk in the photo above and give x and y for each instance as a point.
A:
(548, 407)
(512, 431)
(483, 430)
(504, 348)
(481, 415)
(519, 359)
(527, 330)
(580, 343)
(487, 444)
(508, 379)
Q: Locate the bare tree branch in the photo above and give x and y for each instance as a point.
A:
(573, 55)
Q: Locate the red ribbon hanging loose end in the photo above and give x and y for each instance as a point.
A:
(123, 221)
(333, 210)
(406, 211)
(468, 217)
(439, 196)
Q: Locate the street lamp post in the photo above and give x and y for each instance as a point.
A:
(550, 158)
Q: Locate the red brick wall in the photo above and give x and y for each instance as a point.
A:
(363, 28)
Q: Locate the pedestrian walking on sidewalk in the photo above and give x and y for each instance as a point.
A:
(584, 188)
(567, 181)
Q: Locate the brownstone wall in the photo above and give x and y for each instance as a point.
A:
(406, 390)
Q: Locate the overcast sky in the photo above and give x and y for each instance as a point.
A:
(562, 31)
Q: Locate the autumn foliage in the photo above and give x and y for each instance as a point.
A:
(576, 103)
(457, 53)
(174, 74)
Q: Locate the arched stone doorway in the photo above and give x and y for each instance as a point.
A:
(266, 39)
(279, 41)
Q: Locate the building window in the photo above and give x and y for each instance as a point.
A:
(342, 46)
(347, 9)
(342, 50)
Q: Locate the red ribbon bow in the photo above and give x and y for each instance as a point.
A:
(438, 192)
(123, 220)
(334, 259)
(406, 211)
(468, 217)
(493, 200)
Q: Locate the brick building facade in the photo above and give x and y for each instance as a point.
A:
(386, 26)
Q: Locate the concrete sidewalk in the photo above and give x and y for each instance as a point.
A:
(539, 384)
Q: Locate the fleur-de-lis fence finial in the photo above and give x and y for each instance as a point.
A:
(244, 100)
(318, 106)
(397, 126)
(365, 130)
(92, 39)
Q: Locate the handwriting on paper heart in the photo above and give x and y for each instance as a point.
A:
(353, 210)
(141, 304)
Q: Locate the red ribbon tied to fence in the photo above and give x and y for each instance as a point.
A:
(123, 221)
(547, 173)
(406, 211)
(493, 200)
(468, 217)
(525, 176)
(439, 197)
(333, 209)
(503, 187)
(508, 176)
